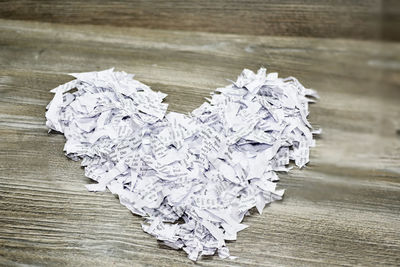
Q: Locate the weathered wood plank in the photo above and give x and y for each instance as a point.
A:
(361, 19)
(343, 209)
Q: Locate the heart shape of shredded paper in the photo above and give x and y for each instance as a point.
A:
(205, 169)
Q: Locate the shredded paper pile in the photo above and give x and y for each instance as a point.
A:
(192, 177)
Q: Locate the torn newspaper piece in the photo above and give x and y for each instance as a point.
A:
(193, 177)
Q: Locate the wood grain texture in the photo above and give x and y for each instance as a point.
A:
(390, 20)
(342, 209)
(360, 19)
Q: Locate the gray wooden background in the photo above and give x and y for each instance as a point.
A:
(356, 19)
(342, 209)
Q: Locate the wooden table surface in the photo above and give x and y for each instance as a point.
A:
(342, 209)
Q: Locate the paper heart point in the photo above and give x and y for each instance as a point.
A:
(206, 169)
